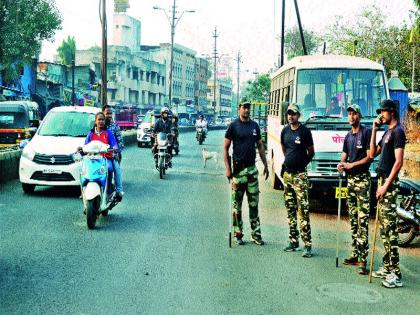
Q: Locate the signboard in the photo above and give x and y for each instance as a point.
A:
(89, 103)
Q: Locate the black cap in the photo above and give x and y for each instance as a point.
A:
(245, 104)
(387, 105)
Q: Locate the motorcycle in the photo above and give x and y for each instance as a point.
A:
(162, 156)
(201, 135)
(95, 181)
(408, 212)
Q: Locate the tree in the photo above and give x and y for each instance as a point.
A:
(24, 24)
(375, 40)
(257, 90)
(293, 44)
(67, 51)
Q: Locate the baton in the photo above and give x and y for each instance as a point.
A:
(340, 182)
(374, 235)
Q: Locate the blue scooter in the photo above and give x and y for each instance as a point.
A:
(94, 182)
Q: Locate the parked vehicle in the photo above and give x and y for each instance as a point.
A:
(162, 155)
(95, 182)
(19, 121)
(47, 160)
(408, 211)
(200, 135)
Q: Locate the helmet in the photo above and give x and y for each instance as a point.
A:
(201, 116)
(164, 110)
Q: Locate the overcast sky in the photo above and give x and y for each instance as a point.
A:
(250, 26)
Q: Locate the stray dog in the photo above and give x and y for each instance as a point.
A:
(208, 156)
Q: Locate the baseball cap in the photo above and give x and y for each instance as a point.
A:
(388, 105)
(355, 108)
(294, 108)
(245, 104)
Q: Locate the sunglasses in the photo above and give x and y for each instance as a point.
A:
(289, 112)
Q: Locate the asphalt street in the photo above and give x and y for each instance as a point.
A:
(164, 250)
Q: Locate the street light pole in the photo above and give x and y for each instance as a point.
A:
(238, 60)
(104, 56)
(215, 35)
(173, 22)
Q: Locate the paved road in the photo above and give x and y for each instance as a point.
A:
(164, 250)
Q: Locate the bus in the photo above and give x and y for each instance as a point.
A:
(313, 82)
(126, 117)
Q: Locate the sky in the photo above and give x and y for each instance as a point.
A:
(249, 26)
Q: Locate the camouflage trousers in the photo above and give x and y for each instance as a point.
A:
(297, 205)
(246, 181)
(387, 208)
(358, 203)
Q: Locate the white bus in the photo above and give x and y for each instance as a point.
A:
(313, 82)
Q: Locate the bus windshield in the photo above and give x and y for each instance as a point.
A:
(328, 92)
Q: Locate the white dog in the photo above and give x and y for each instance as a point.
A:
(208, 156)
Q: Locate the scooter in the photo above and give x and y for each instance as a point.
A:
(408, 212)
(201, 136)
(94, 182)
(162, 155)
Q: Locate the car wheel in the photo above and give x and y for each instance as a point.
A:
(28, 188)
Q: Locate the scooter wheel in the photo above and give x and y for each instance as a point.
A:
(104, 213)
(91, 211)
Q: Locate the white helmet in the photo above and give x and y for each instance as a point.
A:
(164, 110)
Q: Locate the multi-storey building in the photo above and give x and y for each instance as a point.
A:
(183, 76)
(202, 75)
(223, 106)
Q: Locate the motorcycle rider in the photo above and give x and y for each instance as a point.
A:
(163, 124)
(201, 123)
(115, 129)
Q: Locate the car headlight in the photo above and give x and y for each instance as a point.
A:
(28, 153)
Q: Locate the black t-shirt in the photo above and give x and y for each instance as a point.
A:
(163, 126)
(296, 143)
(244, 136)
(355, 146)
(392, 139)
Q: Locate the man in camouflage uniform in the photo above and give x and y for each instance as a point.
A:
(391, 150)
(355, 161)
(246, 136)
(298, 149)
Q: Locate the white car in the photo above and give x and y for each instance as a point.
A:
(47, 160)
(144, 132)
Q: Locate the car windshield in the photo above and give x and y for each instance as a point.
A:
(328, 92)
(71, 124)
(13, 120)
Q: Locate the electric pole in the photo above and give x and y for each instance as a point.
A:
(104, 55)
(238, 61)
(215, 35)
(283, 5)
(172, 22)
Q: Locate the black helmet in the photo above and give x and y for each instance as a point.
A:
(201, 116)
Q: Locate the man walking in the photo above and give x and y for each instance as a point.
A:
(246, 136)
(355, 161)
(391, 148)
(298, 149)
(115, 129)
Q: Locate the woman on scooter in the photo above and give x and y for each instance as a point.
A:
(100, 133)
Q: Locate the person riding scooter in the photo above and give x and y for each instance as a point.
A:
(201, 123)
(163, 124)
(100, 133)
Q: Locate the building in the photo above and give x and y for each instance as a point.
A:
(202, 75)
(183, 76)
(132, 78)
(223, 106)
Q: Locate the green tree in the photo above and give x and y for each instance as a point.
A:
(293, 45)
(257, 90)
(24, 24)
(67, 51)
(375, 40)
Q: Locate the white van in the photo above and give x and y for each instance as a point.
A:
(47, 160)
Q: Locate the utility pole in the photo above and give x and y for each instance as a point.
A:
(238, 61)
(172, 22)
(215, 35)
(72, 81)
(104, 55)
(302, 38)
(283, 5)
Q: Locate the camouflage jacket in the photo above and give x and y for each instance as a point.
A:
(117, 134)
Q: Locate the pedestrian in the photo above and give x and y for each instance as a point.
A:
(298, 149)
(355, 161)
(116, 161)
(245, 135)
(391, 150)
